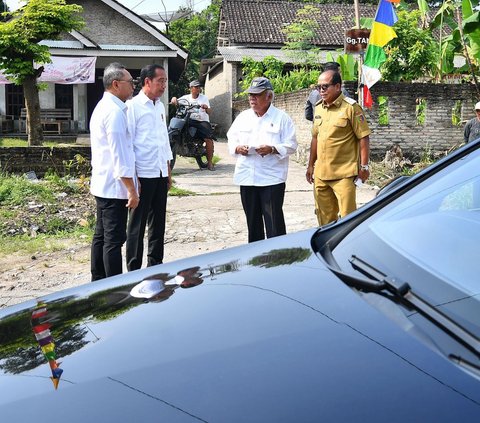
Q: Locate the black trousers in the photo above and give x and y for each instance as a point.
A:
(109, 236)
(151, 211)
(263, 205)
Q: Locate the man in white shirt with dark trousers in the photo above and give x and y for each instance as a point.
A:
(262, 138)
(148, 129)
(113, 180)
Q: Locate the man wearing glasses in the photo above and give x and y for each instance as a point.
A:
(113, 180)
(147, 125)
(314, 96)
(262, 138)
(339, 150)
(472, 128)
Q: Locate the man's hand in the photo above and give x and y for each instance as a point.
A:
(363, 174)
(174, 100)
(264, 149)
(241, 149)
(133, 200)
(309, 174)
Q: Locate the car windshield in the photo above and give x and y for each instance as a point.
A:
(429, 238)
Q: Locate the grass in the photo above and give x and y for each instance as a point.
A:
(17, 191)
(179, 192)
(48, 214)
(36, 215)
(44, 243)
(18, 142)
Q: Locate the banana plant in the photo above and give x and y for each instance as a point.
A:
(348, 65)
(464, 39)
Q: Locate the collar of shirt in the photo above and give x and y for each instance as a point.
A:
(144, 99)
(270, 111)
(116, 100)
(337, 103)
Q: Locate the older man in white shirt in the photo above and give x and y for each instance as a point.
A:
(113, 172)
(262, 138)
(148, 128)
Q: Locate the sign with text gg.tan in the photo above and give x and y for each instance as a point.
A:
(356, 40)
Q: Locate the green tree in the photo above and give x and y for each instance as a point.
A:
(301, 34)
(274, 69)
(19, 48)
(197, 33)
(413, 53)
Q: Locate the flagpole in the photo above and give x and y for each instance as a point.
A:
(360, 60)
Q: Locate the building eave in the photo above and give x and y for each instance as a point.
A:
(155, 32)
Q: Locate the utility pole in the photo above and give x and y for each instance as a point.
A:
(360, 57)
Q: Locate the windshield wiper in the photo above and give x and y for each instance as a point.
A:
(402, 290)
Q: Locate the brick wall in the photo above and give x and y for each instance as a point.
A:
(437, 134)
(61, 160)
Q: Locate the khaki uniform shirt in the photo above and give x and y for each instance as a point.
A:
(338, 129)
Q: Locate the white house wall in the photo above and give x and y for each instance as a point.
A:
(218, 89)
(47, 97)
(3, 103)
(80, 106)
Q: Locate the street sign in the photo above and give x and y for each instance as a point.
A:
(356, 40)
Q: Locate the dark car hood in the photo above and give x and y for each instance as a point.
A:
(262, 332)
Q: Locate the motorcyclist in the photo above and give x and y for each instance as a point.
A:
(200, 120)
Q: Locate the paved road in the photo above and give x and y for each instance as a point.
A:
(214, 219)
(211, 220)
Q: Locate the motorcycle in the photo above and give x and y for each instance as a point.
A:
(183, 137)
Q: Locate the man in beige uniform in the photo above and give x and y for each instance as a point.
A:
(339, 150)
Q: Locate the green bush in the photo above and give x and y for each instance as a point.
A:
(18, 190)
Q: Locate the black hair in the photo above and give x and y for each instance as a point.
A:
(331, 66)
(149, 72)
(336, 77)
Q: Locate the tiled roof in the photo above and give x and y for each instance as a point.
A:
(261, 21)
(237, 54)
(79, 45)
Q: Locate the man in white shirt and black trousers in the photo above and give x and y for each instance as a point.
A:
(262, 138)
(113, 180)
(148, 129)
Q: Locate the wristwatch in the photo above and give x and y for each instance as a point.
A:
(364, 167)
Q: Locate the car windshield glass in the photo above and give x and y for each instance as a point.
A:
(433, 230)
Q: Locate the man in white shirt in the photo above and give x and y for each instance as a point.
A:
(201, 119)
(148, 129)
(262, 138)
(113, 180)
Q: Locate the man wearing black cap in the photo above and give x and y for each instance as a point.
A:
(262, 138)
(201, 119)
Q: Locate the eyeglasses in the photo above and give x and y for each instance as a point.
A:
(130, 81)
(323, 87)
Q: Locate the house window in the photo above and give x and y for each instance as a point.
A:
(64, 96)
(14, 99)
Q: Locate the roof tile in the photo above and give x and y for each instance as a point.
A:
(261, 21)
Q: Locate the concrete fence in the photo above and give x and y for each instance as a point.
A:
(71, 160)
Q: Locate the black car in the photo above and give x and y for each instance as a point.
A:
(375, 318)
